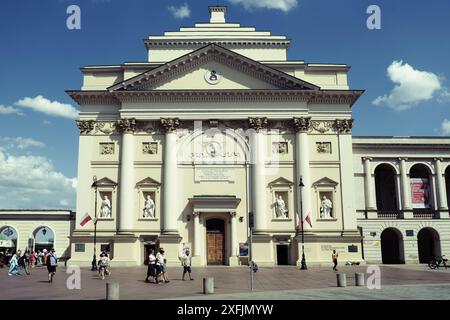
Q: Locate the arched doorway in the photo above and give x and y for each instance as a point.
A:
(42, 238)
(215, 241)
(8, 239)
(429, 244)
(420, 180)
(385, 188)
(392, 246)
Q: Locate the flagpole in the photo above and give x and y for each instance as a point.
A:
(94, 259)
(303, 261)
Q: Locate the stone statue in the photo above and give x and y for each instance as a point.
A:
(105, 209)
(280, 208)
(325, 209)
(149, 208)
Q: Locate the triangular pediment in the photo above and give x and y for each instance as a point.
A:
(212, 68)
(148, 183)
(106, 182)
(325, 182)
(281, 182)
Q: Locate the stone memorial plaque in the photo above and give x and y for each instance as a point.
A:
(214, 174)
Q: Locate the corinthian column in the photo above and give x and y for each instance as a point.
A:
(258, 148)
(126, 182)
(302, 126)
(170, 184)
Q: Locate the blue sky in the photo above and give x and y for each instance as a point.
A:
(39, 56)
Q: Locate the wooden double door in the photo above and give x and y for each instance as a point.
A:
(215, 242)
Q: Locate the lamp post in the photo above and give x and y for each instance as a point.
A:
(94, 259)
(303, 261)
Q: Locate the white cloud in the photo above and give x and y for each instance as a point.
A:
(180, 12)
(445, 127)
(283, 5)
(46, 122)
(52, 108)
(31, 182)
(20, 143)
(444, 96)
(7, 110)
(411, 87)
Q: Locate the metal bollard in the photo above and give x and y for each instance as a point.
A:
(112, 291)
(341, 279)
(208, 285)
(359, 279)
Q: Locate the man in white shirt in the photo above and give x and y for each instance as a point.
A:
(186, 262)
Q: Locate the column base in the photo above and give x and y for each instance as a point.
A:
(443, 214)
(407, 215)
(233, 261)
(196, 261)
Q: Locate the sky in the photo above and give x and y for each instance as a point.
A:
(403, 67)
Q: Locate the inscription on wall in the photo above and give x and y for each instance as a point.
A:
(214, 174)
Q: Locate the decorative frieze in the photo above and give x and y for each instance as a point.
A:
(323, 147)
(344, 125)
(127, 125)
(170, 124)
(280, 147)
(106, 148)
(105, 127)
(322, 126)
(85, 126)
(302, 124)
(149, 147)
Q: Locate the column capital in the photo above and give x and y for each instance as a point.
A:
(367, 158)
(170, 124)
(258, 123)
(438, 159)
(196, 214)
(344, 125)
(85, 126)
(302, 124)
(233, 214)
(127, 125)
(402, 159)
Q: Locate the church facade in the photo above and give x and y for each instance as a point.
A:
(218, 135)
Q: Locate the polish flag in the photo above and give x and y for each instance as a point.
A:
(308, 219)
(86, 218)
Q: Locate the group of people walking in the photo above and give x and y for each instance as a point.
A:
(157, 269)
(30, 259)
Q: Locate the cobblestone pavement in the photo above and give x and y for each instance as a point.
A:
(227, 281)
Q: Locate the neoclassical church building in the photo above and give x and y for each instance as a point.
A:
(218, 135)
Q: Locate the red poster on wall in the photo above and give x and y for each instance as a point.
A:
(420, 193)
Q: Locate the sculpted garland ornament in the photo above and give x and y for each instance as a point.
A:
(85, 126)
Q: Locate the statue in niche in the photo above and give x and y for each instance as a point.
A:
(326, 207)
(280, 208)
(149, 208)
(105, 209)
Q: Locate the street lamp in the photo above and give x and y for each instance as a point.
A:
(94, 259)
(303, 262)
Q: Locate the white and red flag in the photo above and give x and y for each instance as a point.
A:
(85, 219)
(308, 219)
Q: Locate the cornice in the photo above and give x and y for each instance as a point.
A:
(242, 95)
(149, 43)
